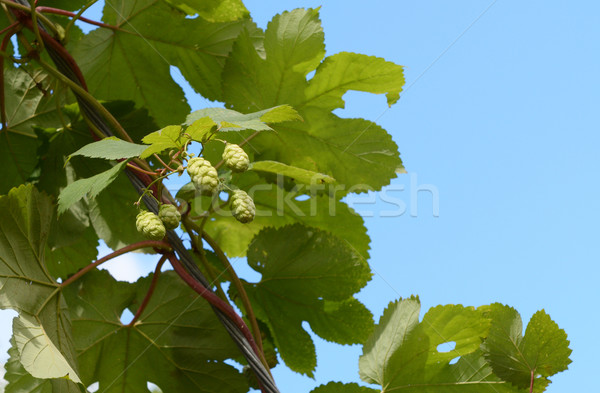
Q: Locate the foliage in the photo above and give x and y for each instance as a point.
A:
(93, 127)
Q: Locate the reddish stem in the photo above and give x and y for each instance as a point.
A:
(50, 10)
(137, 168)
(213, 299)
(12, 25)
(132, 247)
(148, 296)
(531, 383)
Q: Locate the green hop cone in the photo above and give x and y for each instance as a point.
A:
(242, 206)
(150, 225)
(204, 176)
(170, 216)
(235, 158)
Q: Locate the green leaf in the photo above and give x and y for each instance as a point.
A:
(307, 275)
(91, 187)
(135, 63)
(298, 175)
(177, 344)
(276, 207)
(71, 251)
(358, 153)
(338, 387)
(351, 71)
(27, 103)
(38, 354)
(111, 148)
(543, 351)
(403, 353)
(202, 129)
(398, 320)
(230, 120)
(20, 381)
(166, 138)
(43, 328)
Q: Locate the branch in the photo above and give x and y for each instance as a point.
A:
(213, 299)
(50, 10)
(88, 98)
(148, 296)
(238, 285)
(132, 247)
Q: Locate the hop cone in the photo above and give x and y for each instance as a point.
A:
(235, 158)
(242, 206)
(150, 225)
(203, 175)
(170, 216)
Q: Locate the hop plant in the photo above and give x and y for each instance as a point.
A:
(170, 216)
(204, 176)
(235, 158)
(242, 206)
(150, 225)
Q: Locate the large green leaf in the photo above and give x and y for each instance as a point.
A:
(359, 154)
(542, 352)
(177, 343)
(308, 275)
(276, 207)
(405, 354)
(42, 330)
(134, 62)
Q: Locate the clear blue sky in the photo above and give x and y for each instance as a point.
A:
(501, 117)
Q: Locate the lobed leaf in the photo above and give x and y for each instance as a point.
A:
(307, 275)
(402, 354)
(542, 352)
(177, 344)
(359, 154)
(135, 62)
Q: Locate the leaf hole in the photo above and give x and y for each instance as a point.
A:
(455, 360)
(154, 388)
(310, 75)
(303, 197)
(93, 387)
(126, 316)
(446, 347)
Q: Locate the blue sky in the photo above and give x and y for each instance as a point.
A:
(500, 117)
